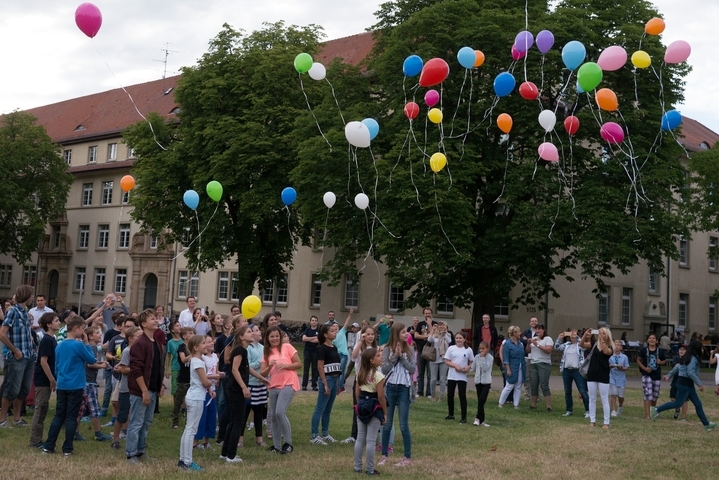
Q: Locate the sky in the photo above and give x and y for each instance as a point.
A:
(44, 58)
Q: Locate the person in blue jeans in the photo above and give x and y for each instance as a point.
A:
(329, 366)
(572, 360)
(340, 342)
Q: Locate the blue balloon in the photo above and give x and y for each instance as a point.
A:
(289, 195)
(412, 65)
(191, 199)
(372, 126)
(573, 54)
(504, 84)
(466, 57)
(671, 120)
(579, 88)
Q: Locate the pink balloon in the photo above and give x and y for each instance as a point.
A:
(677, 52)
(547, 151)
(88, 19)
(516, 54)
(431, 98)
(612, 58)
(612, 133)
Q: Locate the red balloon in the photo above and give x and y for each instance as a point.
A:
(571, 124)
(516, 54)
(88, 19)
(411, 110)
(528, 91)
(434, 72)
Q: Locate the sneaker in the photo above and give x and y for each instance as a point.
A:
(499, 405)
(315, 389)
(115, 445)
(251, 426)
(620, 410)
(223, 457)
(349, 440)
(49, 451)
(614, 413)
(233, 460)
(653, 413)
(143, 457)
(133, 461)
(449, 417)
(272, 449)
(329, 439)
(181, 465)
(108, 424)
(264, 422)
(404, 462)
(123, 434)
(102, 437)
(378, 449)
(484, 424)
(20, 423)
(382, 460)
(476, 422)
(390, 449)
(286, 448)
(317, 441)
(341, 390)
(676, 413)
(4, 424)
(304, 388)
(67, 454)
(371, 474)
(85, 419)
(710, 426)
(79, 438)
(586, 414)
(463, 421)
(568, 414)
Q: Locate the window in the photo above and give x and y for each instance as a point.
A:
(188, 285)
(268, 291)
(316, 296)
(79, 278)
(712, 313)
(67, 156)
(103, 236)
(182, 284)
(233, 287)
(683, 251)
(396, 298)
(604, 309)
(501, 309)
(83, 239)
(626, 306)
(99, 280)
(683, 309)
(653, 281)
(92, 154)
(125, 198)
(195, 284)
(124, 240)
(713, 254)
(106, 193)
(112, 152)
(29, 275)
(5, 275)
(445, 306)
(223, 285)
(186, 238)
(120, 280)
(86, 194)
(351, 292)
(153, 241)
(130, 153)
(56, 236)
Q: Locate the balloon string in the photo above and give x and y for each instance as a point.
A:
(199, 237)
(416, 190)
(324, 237)
(309, 107)
(439, 216)
(399, 157)
(459, 101)
(376, 178)
(289, 229)
(122, 206)
(506, 166)
(200, 234)
(336, 101)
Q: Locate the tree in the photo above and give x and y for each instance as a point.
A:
(702, 194)
(35, 186)
(504, 219)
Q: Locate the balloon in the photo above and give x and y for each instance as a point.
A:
(612, 133)
(677, 52)
(88, 19)
(528, 91)
(329, 198)
(641, 59)
(362, 201)
(655, 26)
(437, 162)
(479, 60)
(545, 41)
(317, 71)
(579, 88)
(251, 306)
(571, 124)
(431, 98)
(127, 183)
(191, 199)
(504, 84)
(303, 62)
(289, 195)
(372, 126)
(589, 76)
(606, 99)
(547, 151)
(214, 190)
(516, 54)
(357, 134)
(434, 72)
(612, 58)
(671, 120)
(411, 110)
(435, 115)
(412, 65)
(504, 122)
(547, 119)
(523, 41)
(466, 57)
(573, 54)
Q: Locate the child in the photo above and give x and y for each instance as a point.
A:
(172, 363)
(257, 385)
(236, 394)
(458, 359)
(673, 388)
(371, 408)
(365, 339)
(650, 359)
(329, 367)
(91, 405)
(195, 400)
(618, 366)
(208, 422)
(114, 348)
(44, 376)
(183, 375)
(482, 380)
(123, 392)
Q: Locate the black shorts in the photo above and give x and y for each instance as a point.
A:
(124, 410)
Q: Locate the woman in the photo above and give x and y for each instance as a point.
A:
(598, 372)
(397, 366)
(459, 361)
(688, 370)
(712, 360)
(201, 323)
(540, 366)
(515, 365)
(572, 361)
(329, 366)
(440, 340)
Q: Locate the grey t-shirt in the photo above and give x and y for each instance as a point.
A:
(125, 362)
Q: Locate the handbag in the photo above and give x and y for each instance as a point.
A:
(585, 366)
(429, 353)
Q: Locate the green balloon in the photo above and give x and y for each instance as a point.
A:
(303, 62)
(214, 190)
(589, 76)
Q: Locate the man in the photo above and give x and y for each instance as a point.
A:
(331, 317)
(109, 310)
(16, 334)
(37, 312)
(420, 339)
(485, 333)
(234, 311)
(528, 335)
(185, 317)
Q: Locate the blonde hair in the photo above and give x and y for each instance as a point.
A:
(608, 333)
(511, 330)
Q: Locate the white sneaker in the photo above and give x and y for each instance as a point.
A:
(251, 426)
(264, 422)
(329, 439)
(614, 413)
(317, 441)
(619, 410)
(349, 440)
(567, 414)
(586, 414)
(233, 460)
(484, 424)
(476, 422)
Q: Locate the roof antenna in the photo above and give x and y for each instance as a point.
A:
(167, 52)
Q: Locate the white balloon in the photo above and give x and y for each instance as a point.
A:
(357, 134)
(362, 201)
(317, 71)
(329, 199)
(547, 120)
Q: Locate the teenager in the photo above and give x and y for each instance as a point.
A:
(540, 366)
(458, 359)
(132, 333)
(598, 372)
(329, 366)
(44, 377)
(366, 339)
(309, 338)
(237, 393)
(650, 360)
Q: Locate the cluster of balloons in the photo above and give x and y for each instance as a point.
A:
(192, 198)
(305, 64)
(88, 19)
(361, 134)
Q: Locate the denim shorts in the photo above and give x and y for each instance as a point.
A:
(18, 377)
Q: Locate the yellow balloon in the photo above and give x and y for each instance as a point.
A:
(437, 162)
(251, 306)
(435, 115)
(641, 59)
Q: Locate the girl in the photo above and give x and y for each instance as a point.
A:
(369, 389)
(329, 367)
(513, 358)
(195, 399)
(598, 373)
(309, 337)
(208, 422)
(540, 366)
(459, 361)
(258, 385)
(218, 325)
(365, 339)
(132, 333)
(236, 394)
(440, 339)
(482, 380)
(712, 360)
(280, 362)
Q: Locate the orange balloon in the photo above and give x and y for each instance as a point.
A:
(504, 122)
(127, 183)
(655, 26)
(607, 100)
(480, 59)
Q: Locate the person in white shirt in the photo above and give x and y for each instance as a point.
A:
(540, 366)
(458, 359)
(37, 312)
(185, 319)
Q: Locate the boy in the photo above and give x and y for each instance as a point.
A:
(44, 376)
(673, 388)
(183, 376)
(114, 348)
(70, 359)
(91, 405)
(172, 364)
(650, 359)
(618, 366)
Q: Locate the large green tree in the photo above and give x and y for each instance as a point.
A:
(35, 184)
(503, 221)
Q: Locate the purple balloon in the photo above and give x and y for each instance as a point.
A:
(523, 41)
(545, 41)
(611, 132)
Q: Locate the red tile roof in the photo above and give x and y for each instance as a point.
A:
(694, 134)
(352, 49)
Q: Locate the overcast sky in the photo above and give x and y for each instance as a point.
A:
(45, 58)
